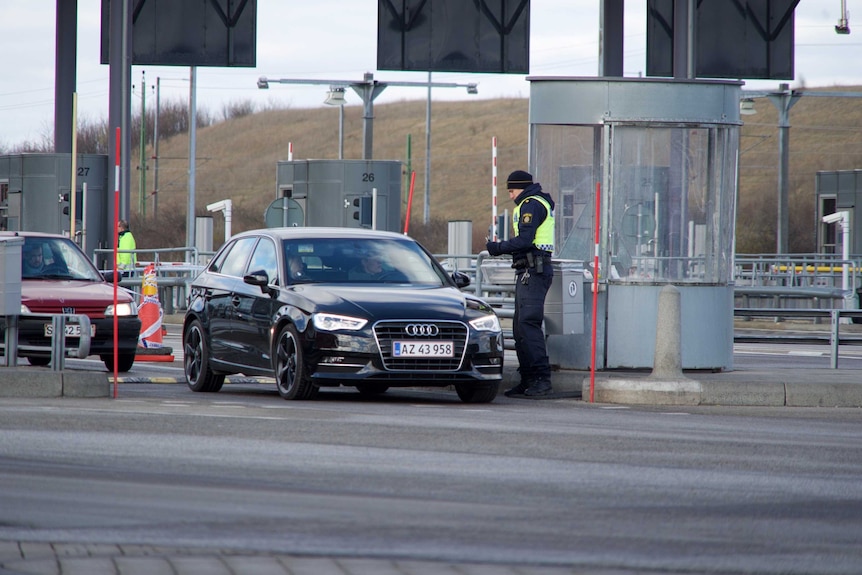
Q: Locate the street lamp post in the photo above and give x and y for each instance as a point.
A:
(783, 100)
(368, 89)
(335, 97)
(426, 218)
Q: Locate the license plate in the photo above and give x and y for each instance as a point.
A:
(72, 330)
(422, 349)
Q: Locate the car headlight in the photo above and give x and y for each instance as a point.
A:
(122, 309)
(486, 323)
(332, 322)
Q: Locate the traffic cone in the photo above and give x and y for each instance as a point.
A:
(150, 311)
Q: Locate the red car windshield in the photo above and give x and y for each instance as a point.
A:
(55, 258)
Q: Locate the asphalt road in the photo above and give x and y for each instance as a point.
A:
(419, 475)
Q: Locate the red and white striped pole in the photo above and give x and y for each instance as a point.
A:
(290, 151)
(116, 246)
(494, 233)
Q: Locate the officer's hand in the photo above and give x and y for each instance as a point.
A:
(493, 248)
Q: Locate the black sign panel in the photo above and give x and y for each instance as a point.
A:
(454, 35)
(737, 39)
(189, 32)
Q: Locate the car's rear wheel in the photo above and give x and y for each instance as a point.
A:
(290, 376)
(371, 389)
(39, 360)
(125, 361)
(196, 361)
(472, 393)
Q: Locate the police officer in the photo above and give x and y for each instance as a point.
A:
(126, 261)
(531, 249)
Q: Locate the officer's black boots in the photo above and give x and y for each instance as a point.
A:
(518, 389)
(539, 388)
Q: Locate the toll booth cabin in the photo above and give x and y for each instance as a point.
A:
(661, 157)
(338, 193)
(35, 196)
(838, 191)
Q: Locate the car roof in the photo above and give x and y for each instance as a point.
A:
(324, 232)
(32, 235)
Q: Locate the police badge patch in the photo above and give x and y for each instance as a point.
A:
(526, 218)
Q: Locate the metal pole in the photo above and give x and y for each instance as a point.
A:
(611, 38)
(783, 101)
(427, 217)
(125, 104)
(190, 216)
(783, 193)
(73, 185)
(341, 131)
(65, 54)
(142, 149)
(367, 89)
(156, 153)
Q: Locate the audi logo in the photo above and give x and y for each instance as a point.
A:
(422, 329)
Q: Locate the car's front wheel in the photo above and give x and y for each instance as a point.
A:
(473, 393)
(290, 376)
(40, 360)
(125, 361)
(196, 361)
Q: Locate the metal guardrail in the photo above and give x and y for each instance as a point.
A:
(191, 256)
(776, 281)
(833, 338)
(58, 348)
(175, 269)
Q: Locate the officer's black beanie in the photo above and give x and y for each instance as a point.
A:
(518, 180)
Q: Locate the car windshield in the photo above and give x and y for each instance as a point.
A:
(361, 260)
(55, 258)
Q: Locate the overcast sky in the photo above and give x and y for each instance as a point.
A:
(337, 39)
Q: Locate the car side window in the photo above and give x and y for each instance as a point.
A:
(264, 259)
(234, 262)
(218, 260)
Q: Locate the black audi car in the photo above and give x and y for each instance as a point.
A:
(320, 307)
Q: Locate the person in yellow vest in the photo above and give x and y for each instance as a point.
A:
(531, 249)
(126, 261)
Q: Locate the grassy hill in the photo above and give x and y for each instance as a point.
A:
(237, 160)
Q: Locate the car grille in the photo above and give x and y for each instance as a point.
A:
(388, 331)
(93, 311)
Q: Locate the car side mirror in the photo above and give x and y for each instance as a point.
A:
(461, 279)
(261, 280)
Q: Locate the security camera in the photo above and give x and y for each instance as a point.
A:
(834, 218)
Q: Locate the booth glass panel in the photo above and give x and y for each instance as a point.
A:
(671, 207)
(566, 160)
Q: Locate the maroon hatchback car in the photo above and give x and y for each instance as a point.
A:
(58, 278)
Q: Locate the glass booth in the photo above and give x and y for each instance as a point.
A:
(662, 154)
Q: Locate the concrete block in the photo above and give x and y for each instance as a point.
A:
(645, 391)
(818, 394)
(743, 393)
(30, 382)
(85, 384)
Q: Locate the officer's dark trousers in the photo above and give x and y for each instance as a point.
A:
(527, 325)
